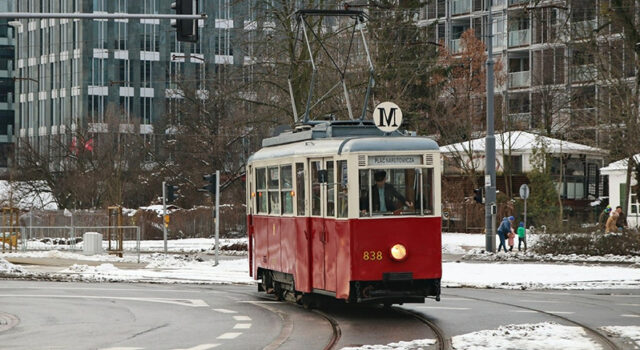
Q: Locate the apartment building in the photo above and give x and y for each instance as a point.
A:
(539, 42)
(72, 72)
(6, 88)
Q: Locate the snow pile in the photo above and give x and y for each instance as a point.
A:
(9, 268)
(24, 197)
(538, 276)
(401, 345)
(546, 335)
(170, 269)
(632, 333)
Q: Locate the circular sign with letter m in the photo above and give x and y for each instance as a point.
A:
(387, 116)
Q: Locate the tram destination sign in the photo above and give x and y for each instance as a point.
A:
(395, 160)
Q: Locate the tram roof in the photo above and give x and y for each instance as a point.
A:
(341, 145)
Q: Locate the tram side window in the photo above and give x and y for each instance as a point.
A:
(343, 202)
(331, 186)
(363, 189)
(315, 189)
(300, 188)
(261, 186)
(274, 190)
(427, 190)
(286, 189)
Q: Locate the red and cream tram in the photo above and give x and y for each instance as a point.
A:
(345, 210)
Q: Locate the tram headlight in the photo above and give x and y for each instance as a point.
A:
(398, 252)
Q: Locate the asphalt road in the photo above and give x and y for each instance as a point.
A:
(53, 315)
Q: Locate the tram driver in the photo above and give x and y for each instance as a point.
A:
(385, 197)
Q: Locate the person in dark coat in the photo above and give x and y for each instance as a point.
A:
(385, 196)
(621, 222)
(504, 230)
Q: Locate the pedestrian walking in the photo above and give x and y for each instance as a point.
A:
(503, 230)
(522, 236)
(621, 222)
(511, 236)
(604, 215)
(611, 223)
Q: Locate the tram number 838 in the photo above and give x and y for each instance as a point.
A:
(370, 255)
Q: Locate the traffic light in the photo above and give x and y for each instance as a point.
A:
(187, 29)
(171, 193)
(211, 183)
(478, 195)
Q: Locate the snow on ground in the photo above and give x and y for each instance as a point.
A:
(166, 269)
(632, 333)
(401, 345)
(538, 276)
(9, 268)
(22, 198)
(188, 245)
(546, 335)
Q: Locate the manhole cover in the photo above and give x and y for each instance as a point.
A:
(7, 321)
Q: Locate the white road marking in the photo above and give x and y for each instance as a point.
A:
(122, 348)
(242, 318)
(627, 315)
(260, 302)
(225, 311)
(242, 326)
(628, 304)
(117, 289)
(230, 335)
(202, 347)
(445, 298)
(524, 311)
(183, 302)
(560, 312)
(442, 308)
(540, 301)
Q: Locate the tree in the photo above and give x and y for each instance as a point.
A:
(542, 207)
(616, 57)
(406, 61)
(463, 96)
(90, 167)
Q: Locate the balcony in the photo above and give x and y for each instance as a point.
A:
(455, 46)
(460, 6)
(520, 79)
(517, 2)
(586, 72)
(498, 40)
(520, 120)
(519, 37)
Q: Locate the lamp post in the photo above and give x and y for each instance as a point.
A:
(490, 146)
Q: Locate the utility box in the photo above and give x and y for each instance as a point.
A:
(92, 243)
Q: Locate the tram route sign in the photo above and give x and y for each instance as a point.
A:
(387, 116)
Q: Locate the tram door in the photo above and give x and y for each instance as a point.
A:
(319, 169)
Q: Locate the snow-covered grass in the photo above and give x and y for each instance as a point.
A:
(166, 269)
(538, 276)
(631, 333)
(188, 245)
(546, 335)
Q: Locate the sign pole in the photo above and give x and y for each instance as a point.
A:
(164, 215)
(217, 219)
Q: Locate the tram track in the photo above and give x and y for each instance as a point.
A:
(443, 343)
(593, 333)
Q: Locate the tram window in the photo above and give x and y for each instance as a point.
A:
(393, 192)
(286, 189)
(261, 187)
(331, 185)
(315, 189)
(300, 188)
(343, 198)
(274, 190)
(363, 189)
(427, 190)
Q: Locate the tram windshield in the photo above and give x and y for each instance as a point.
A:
(396, 191)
